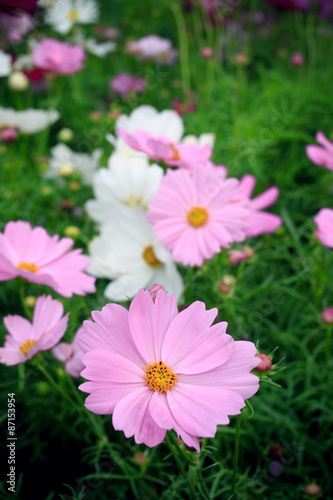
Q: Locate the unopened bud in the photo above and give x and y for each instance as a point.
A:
(207, 52)
(8, 134)
(155, 290)
(18, 81)
(297, 59)
(312, 489)
(65, 135)
(30, 301)
(72, 231)
(275, 450)
(327, 315)
(266, 363)
(241, 59)
(140, 458)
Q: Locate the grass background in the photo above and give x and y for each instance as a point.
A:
(263, 115)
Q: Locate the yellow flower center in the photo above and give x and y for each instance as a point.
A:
(66, 170)
(73, 15)
(28, 266)
(25, 348)
(197, 216)
(176, 155)
(159, 377)
(150, 257)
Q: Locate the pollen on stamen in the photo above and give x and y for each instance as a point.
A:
(159, 377)
(25, 348)
(176, 155)
(28, 266)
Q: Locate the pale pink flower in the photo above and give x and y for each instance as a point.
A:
(194, 213)
(58, 57)
(297, 59)
(323, 157)
(153, 48)
(71, 355)
(35, 256)
(123, 84)
(259, 222)
(161, 148)
(327, 315)
(25, 339)
(324, 223)
(156, 369)
(16, 26)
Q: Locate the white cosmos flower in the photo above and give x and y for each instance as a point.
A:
(167, 123)
(128, 252)
(64, 162)
(63, 14)
(207, 139)
(28, 121)
(127, 181)
(5, 64)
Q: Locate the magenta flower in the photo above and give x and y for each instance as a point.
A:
(161, 148)
(58, 57)
(153, 48)
(43, 259)
(25, 339)
(71, 355)
(327, 315)
(323, 157)
(156, 369)
(194, 213)
(324, 223)
(259, 222)
(124, 83)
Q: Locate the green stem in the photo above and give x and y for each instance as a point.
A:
(22, 298)
(328, 357)
(236, 455)
(177, 453)
(54, 383)
(183, 45)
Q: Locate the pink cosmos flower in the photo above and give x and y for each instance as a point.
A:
(16, 26)
(156, 369)
(153, 48)
(324, 223)
(58, 57)
(161, 148)
(323, 157)
(71, 355)
(43, 259)
(194, 213)
(25, 339)
(124, 83)
(259, 222)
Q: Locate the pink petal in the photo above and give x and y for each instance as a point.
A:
(19, 328)
(262, 223)
(104, 398)
(265, 199)
(106, 366)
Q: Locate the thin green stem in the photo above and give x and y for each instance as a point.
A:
(328, 357)
(177, 454)
(22, 298)
(55, 384)
(183, 45)
(236, 455)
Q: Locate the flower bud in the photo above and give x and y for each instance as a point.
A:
(8, 134)
(18, 81)
(241, 59)
(154, 291)
(72, 231)
(207, 52)
(65, 135)
(140, 458)
(30, 301)
(327, 315)
(266, 363)
(297, 59)
(312, 489)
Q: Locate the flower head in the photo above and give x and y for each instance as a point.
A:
(194, 215)
(324, 223)
(123, 84)
(323, 157)
(63, 14)
(153, 48)
(25, 339)
(58, 57)
(37, 257)
(29, 121)
(156, 369)
(327, 315)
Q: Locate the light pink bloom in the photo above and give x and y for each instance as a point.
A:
(71, 355)
(35, 256)
(194, 213)
(297, 59)
(240, 255)
(259, 222)
(123, 84)
(207, 373)
(58, 57)
(324, 223)
(25, 339)
(161, 148)
(327, 315)
(323, 157)
(153, 48)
